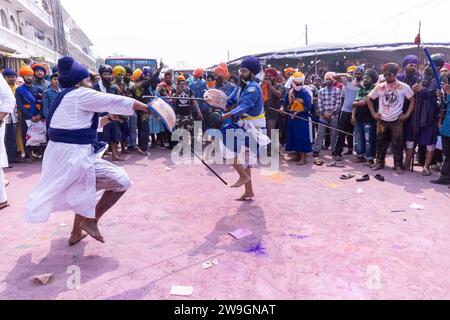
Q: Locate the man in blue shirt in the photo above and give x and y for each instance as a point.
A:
(444, 124)
(248, 98)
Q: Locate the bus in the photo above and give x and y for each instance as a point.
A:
(133, 63)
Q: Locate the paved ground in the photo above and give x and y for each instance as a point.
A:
(314, 237)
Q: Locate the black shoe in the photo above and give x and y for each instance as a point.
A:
(441, 182)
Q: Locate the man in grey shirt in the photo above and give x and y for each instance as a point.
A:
(352, 80)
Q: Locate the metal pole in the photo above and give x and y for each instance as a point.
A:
(306, 34)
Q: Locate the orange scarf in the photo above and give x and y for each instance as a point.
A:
(265, 91)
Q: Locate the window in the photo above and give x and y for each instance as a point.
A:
(4, 18)
(50, 44)
(14, 25)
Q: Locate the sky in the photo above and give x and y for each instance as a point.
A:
(201, 33)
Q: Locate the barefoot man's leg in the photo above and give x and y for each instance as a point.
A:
(108, 200)
(249, 194)
(244, 178)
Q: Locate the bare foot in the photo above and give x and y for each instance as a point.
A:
(242, 181)
(296, 158)
(91, 227)
(4, 205)
(302, 163)
(246, 197)
(76, 238)
(118, 159)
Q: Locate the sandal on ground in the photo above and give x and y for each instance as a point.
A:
(379, 177)
(347, 176)
(363, 178)
(319, 162)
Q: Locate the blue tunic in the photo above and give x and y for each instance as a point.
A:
(298, 136)
(249, 102)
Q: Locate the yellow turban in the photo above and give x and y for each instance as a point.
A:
(351, 69)
(181, 78)
(298, 77)
(119, 70)
(137, 74)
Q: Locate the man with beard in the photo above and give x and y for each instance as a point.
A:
(391, 117)
(272, 93)
(40, 71)
(199, 87)
(423, 129)
(132, 121)
(119, 73)
(250, 117)
(365, 124)
(329, 105)
(72, 171)
(146, 83)
(111, 133)
(186, 109)
(29, 103)
(7, 105)
(12, 120)
(352, 82)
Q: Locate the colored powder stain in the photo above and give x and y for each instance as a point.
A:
(279, 177)
(333, 186)
(299, 236)
(258, 250)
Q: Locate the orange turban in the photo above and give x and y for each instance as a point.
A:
(137, 75)
(199, 73)
(351, 69)
(181, 78)
(222, 70)
(26, 71)
(288, 71)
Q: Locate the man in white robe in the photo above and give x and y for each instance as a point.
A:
(72, 170)
(7, 104)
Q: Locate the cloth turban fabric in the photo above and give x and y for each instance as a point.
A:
(251, 63)
(9, 73)
(391, 68)
(198, 73)
(372, 74)
(39, 66)
(271, 72)
(445, 67)
(410, 59)
(71, 72)
(105, 68)
(351, 69)
(222, 70)
(26, 71)
(289, 71)
(119, 70)
(439, 59)
(137, 75)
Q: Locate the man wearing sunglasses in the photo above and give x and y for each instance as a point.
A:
(390, 116)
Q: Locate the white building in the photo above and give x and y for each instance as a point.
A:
(32, 29)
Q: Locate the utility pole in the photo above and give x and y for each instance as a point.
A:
(306, 34)
(228, 53)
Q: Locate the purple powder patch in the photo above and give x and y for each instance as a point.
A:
(298, 236)
(258, 250)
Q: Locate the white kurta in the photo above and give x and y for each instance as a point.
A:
(68, 181)
(7, 105)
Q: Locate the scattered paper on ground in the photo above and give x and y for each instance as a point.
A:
(181, 291)
(359, 191)
(241, 233)
(421, 197)
(63, 225)
(44, 278)
(416, 206)
(210, 264)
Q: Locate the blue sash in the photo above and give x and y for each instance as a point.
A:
(78, 136)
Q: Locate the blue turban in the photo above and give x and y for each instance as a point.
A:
(252, 64)
(9, 73)
(359, 69)
(55, 69)
(105, 68)
(410, 59)
(71, 72)
(148, 72)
